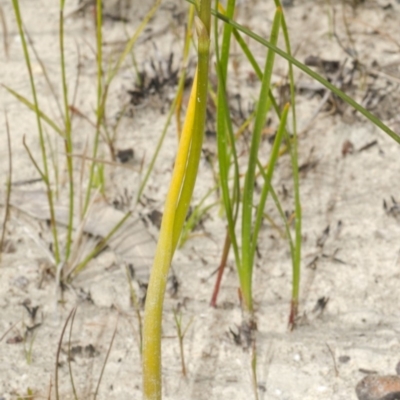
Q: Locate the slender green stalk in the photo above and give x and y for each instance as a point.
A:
(40, 130)
(246, 267)
(296, 255)
(176, 206)
(225, 138)
(256, 67)
(68, 137)
(268, 177)
(101, 98)
(278, 207)
(36, 110)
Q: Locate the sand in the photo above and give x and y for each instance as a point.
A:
(349, 316)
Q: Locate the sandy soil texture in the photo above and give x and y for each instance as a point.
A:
(350, 189)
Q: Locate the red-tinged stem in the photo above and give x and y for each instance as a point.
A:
(294, 308)
(221, 269)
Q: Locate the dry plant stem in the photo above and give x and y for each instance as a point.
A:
(9, 330)
(41, 135)
(105, 360)
(8, 190)
(175, 210)
(254, 370)
(50, 386)
(59, 351)
(71, 376)
(181, 335)
(5, 31)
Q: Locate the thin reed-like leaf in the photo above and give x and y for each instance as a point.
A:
(225, 138)
(105, 361)
(56, 383)
(68, 136)
(36, 110)
(268, 178)
(245, 269)
(376, 121)
(71, 376)
(296, 257)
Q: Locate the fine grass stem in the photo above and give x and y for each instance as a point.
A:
(225, 138)
(293, 148)
(40, 129)
(181, 336)
(56, 382)
(105, 361)
(67, 135)
(8, 188)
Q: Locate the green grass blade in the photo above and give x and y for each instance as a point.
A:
(268, 179)
(279, 208)
(245, 269)
(225, 137)
(376, 121)
(296, 258)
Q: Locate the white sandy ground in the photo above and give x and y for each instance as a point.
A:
(322, 358)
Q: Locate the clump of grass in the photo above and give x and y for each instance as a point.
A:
(227, 158)
(62, 248)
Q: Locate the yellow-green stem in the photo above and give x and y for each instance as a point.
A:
(176, 206)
